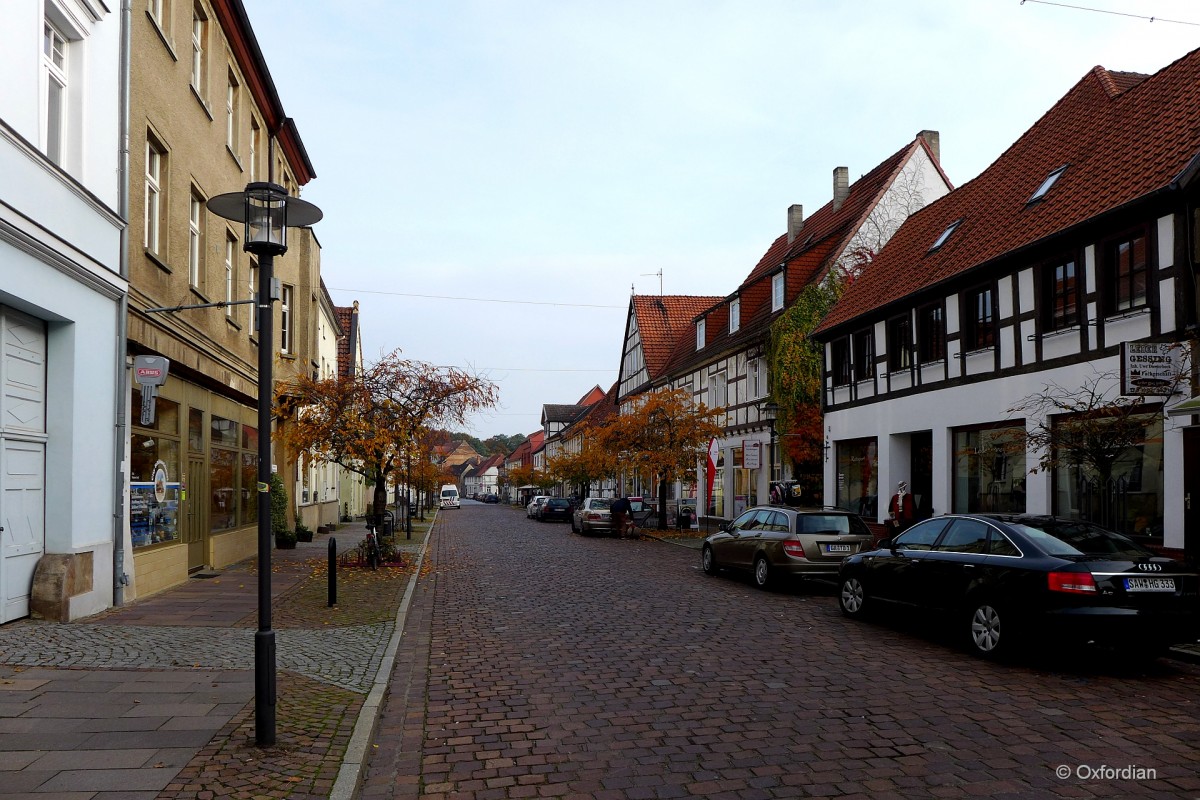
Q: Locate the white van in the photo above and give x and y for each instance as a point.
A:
(449, 495)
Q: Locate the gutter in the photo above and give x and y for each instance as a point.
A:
(120, 429)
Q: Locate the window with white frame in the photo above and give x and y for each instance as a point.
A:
(159, 11)
(255, 136)
(195, 239)
(54, 65)
(285, 321)
(156, 162)
(777, 292)
(232, 103)
(756, 374)
(717, 390)
(700, 334)
(199, 53)
(230, 270)
(735, 314)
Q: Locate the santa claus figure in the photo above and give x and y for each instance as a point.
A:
(902, 510)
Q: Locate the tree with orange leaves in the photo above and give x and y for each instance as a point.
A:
(367, 423)
(593, 461)
(662, 437)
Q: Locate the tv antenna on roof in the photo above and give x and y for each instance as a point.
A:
(651, 275)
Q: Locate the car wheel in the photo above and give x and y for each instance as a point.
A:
(987, 635)
(852, 598)
(708, 560)
(762, 572)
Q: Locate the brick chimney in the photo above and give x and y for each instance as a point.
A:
(934, 140)
(841, 186)
(795, 221)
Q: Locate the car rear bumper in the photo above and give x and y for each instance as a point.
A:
(1121, 625)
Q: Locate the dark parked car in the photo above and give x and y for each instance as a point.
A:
(777, 541)
(491, 498)
(1007, 581)
(556, 508)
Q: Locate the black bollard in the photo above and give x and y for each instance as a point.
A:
(332, 572)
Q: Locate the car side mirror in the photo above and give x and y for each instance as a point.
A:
(725, 526)
(886, 544)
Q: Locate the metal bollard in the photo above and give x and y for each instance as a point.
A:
(332, 572)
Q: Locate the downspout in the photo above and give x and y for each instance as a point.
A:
(120, 433)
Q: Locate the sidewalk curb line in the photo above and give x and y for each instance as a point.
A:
(355, 758)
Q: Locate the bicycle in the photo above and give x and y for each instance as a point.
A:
(371, 546)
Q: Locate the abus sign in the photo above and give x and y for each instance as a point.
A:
(150, 372)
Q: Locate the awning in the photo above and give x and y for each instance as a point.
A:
(525, 487)
(1186, 408)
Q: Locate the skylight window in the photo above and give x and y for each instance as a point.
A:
(1047, 184)
(941, 240)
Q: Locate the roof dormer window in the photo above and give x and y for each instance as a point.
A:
(1047, 184)
(941, 240)
(700, 334)
(735, 314)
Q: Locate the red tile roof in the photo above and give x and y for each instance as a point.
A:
(1122, 137)
(347, 317)
(661, 321)
(821, 240)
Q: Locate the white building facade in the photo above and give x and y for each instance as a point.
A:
(62, 294)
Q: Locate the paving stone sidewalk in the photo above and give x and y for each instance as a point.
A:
(155, 700)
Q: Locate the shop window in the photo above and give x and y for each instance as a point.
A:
(154, 471)
(195, 430)
(1128, 496)
(222, 481)
(857, 477)
(989, 469)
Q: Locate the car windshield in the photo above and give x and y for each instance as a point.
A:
(1081, 539)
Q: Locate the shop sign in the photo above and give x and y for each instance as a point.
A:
(1150, 368)
(751, 454)
(150, 372)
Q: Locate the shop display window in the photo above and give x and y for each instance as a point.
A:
(222, 482)
(990, 470)
(154, 473)
(858, 477)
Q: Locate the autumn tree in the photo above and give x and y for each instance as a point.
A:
(593, 461)
(662, 438)
(367, 423)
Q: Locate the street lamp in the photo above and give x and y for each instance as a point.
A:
(768, 412)
(267, 211)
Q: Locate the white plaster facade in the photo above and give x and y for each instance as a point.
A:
(62, 289)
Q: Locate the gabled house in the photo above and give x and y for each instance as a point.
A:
(353, 490)
(719, 356)
(519, 457)
(557, 417)
(1035, 278)
(484, 477)
(571, 440)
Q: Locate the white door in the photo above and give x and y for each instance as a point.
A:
(22, 458)
(22, 522)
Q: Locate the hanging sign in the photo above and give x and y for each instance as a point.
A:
(150, 372)
(751, 455)
(1151, 368)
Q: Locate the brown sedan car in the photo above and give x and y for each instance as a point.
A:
(773, 542)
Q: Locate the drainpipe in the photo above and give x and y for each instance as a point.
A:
(120, 430)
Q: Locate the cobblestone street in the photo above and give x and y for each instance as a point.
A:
(538, 663)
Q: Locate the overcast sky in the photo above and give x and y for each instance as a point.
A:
(548, 155)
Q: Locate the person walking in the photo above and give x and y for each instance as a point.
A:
(620, 511)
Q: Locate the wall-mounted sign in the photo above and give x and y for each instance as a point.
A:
(1150, 368)
(751, 455)
(151, 370)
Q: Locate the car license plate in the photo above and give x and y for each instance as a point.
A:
(839, 548)
(1149, 584)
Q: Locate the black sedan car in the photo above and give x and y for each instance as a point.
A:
(1010, 581)
(556, 508)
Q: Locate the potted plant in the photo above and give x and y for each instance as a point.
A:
(303, 533)
(285, 537)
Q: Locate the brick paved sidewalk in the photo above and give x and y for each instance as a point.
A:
(156, 699)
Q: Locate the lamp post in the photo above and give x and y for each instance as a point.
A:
(267, 211)
(768, 412)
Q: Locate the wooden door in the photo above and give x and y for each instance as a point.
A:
(1191, 493)
(195, 523)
